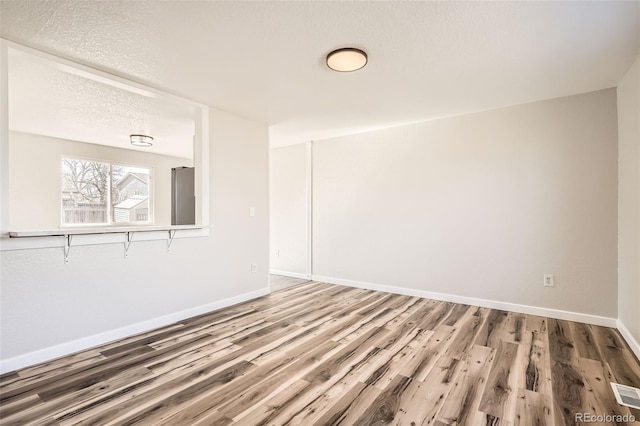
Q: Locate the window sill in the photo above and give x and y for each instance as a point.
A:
(78, 236)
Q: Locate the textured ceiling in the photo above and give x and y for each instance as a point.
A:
(265, 60)
(46, 99)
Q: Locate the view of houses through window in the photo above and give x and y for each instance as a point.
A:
(100, 193)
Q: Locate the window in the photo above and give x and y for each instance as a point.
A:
(101, 193)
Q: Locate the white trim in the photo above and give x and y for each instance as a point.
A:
(290, 274)
(4, 136)
(493, 304)
(631, 341)
(52, 352)
(309, 187)
(201, 164)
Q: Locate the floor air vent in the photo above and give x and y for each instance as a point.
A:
(626, 395)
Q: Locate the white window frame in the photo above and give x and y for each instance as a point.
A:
(110, 220)
(52, 238)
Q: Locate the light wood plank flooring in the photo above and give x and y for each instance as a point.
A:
(325, 354)
(280, 282)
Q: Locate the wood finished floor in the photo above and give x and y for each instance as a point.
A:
(327, 355)
(280, 282)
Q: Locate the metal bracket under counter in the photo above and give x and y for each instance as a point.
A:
(128, 231)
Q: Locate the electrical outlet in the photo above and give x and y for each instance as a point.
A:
(252, 211)
(254, 268)
(277, 253)
(549, 281)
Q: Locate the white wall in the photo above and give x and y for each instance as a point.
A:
(34, 191)
(480, 205)
(629, 202)
(46, 303)
(288, 202)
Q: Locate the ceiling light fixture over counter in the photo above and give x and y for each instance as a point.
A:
(347, 59)
(141, 140)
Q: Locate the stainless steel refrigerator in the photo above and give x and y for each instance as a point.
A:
(183, 199)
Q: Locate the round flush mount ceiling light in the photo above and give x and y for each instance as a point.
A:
(347, 59)
(141, 140)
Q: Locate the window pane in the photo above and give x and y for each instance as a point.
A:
(85, 191)
(130, 194)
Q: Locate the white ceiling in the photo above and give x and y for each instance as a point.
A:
(47, 99)
(265, 60)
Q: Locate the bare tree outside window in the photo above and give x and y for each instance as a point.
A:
(96, 192)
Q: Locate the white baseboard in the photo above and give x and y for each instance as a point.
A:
(290, 274)
(505, 306)
(68, 348)
(631, 341)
